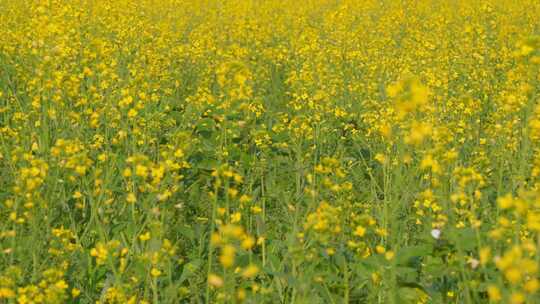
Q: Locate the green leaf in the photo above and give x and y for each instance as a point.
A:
(464, 239)
(187, 232)
(411, 295)
(405, 254)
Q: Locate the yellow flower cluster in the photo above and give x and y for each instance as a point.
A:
(321, 151)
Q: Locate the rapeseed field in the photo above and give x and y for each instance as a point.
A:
(278, 151)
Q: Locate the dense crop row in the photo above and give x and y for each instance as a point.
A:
(315, 151)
